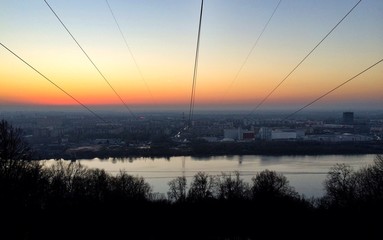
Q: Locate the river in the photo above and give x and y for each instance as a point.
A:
(305, 173)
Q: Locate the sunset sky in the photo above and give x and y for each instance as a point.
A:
(162, 37)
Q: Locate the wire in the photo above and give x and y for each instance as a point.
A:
(98, 70)
(275, 88)
(192, 97)
(130, 51)
(95, 114)
(253, 47)
(332, 90)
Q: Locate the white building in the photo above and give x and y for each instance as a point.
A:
(279, 134)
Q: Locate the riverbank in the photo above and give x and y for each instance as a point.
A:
(203, 148)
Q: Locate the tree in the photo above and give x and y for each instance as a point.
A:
(348, 188)
(22, 182)
(378, 163)
(233, 188)
(128, 187)
(177, 189)
(98, 184)
(340, 185)
(12, 144)
(370, 183)
(67, 182)
(203, 187)
(270, 184)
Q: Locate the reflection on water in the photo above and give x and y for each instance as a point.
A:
(305, 173)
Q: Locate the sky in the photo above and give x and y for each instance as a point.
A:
(241, 58)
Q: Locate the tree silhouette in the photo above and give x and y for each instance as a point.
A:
(233, 188)
(348, 188)
(340, 185)
(67, 180)
(202, 187)
(12, 144)
(177, 189)
(270, 184)
(126, 187)
(13, 149)
(21, 181)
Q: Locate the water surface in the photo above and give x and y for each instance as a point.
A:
(305, 173)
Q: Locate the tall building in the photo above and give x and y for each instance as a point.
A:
(348, 117)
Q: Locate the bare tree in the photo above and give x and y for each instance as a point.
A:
(232, 188)
(340, 185)
(203, 187)
(378, 162)
(177, 189)
(21, 182)
(270, 184)
(98, 184)
(12, 144)
(369, 182)
(128, 187)
(66, 181)
(12, 149)
(348, 188)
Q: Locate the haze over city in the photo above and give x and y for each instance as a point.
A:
(146, 51)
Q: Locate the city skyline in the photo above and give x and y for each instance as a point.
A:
(242, 56)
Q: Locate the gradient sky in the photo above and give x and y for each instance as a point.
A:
(162, 37)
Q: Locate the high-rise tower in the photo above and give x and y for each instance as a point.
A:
(348, 117)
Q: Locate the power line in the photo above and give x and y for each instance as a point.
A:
(192, 97)
(253, 47)
(98, 70)
(280, 83)
(130, 51)
(95, 114)
(332, 90)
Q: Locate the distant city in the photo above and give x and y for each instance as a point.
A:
(71, 135)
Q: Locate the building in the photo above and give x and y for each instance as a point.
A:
(348, 117)
(344, 137)
(238, 134)
(264, 133)
(283, 134)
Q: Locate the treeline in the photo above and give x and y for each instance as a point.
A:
(41, 202)
(68, 201)
(200, 147)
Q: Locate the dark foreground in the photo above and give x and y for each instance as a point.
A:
(209, 220)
